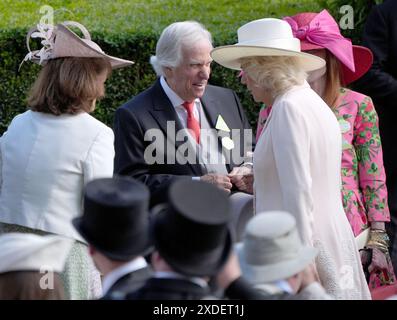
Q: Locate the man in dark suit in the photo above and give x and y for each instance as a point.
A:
(115, 223)
(181, 127)
(380, 35)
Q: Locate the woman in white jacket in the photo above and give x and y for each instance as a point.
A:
(298, 156)
(51, 151)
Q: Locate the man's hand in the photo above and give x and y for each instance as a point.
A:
(221, 181)
(379, 260)
(309, 275)
(243, 179)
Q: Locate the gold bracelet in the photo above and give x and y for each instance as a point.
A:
(379, 237)
(380, 245)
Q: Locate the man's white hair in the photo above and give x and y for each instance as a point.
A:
(173, 38)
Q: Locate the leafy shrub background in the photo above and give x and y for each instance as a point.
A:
(129, 29)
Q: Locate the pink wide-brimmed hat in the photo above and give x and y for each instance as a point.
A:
(61, 42)
(320, 31)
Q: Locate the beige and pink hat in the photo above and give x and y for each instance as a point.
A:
(61, 42)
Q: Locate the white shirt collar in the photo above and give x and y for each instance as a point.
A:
(171, 94)
(174, 275)
(110, 279)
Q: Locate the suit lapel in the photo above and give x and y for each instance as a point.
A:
(164, 112)
(213, 109)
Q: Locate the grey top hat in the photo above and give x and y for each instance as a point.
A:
(272, 249)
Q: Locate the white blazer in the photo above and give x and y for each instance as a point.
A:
(297, 168)
(45, 162)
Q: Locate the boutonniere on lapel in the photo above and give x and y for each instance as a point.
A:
(221, 125)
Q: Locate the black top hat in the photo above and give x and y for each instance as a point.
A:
(192, 232)
(116, 219)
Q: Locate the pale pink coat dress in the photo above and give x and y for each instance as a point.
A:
(297, 163)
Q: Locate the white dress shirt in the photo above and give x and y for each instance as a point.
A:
(178, 101)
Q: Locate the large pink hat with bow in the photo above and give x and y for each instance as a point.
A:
(320, 31)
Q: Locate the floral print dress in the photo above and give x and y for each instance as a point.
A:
(364, 190)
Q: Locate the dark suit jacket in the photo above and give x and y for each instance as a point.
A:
(241, 289)
(128, 283)
(380, 35)
(169, 289)
(152, 109)
(380, 83)
(181, 289)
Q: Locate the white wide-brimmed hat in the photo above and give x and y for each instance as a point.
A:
(30, 252)
(271, 249)
(264, 37)
(61, 42)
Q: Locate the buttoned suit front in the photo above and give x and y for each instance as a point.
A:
(152, 109)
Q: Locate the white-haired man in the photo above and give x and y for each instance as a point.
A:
(151, 140)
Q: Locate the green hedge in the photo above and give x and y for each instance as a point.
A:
(136, 43)
(123, 84)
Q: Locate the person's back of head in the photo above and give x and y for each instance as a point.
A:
(30, 266)
(68, 85)
(176, 36)
(30, 285)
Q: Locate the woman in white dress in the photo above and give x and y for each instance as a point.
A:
(51, 151)
(298, 156)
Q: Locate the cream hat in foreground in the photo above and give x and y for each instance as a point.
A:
(271, 249)
(30, 252)
(264, 37)
(61, 42)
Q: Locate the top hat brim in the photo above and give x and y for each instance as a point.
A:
(141, 246)
(362, 56)
(230, 56)
(258, 274)
(69, 44)
(191, 264)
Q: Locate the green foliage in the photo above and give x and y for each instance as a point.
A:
(128, 29)
(121, 16)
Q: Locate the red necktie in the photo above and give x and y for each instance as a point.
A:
(192, 122)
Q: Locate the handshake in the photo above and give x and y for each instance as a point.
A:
(240, 178)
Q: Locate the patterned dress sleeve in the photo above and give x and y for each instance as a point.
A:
(371, 172)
